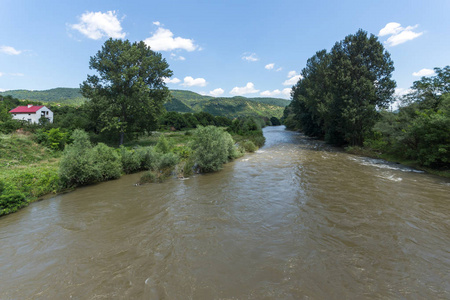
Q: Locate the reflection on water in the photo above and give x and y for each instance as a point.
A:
(297, 219)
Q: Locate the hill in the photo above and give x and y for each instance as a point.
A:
(181, 101)
(59, 95)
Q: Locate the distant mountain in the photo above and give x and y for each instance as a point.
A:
(181, 101)
(59, 95)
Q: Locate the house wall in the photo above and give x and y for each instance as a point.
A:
(34, 117)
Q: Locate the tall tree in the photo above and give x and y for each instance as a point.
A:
(128, 92)
(362, 83)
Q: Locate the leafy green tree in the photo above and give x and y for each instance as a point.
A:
(128, 93)
(212, 148)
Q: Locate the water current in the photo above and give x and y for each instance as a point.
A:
(298, 219)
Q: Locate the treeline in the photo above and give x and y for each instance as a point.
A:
(341, 92)
(344, 97)
(419, 130)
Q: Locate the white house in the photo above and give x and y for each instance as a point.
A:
(31, 113)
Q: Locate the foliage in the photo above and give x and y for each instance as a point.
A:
(212, 148)
(128, 93)
(83, 164)
(249, 146)
(420, 130)
(341, 92)
(163, 145)
(58, 95)
(10, 199)
(55, 138)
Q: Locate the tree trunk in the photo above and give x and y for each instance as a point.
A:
(121, 138)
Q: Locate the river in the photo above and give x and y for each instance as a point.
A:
(297, 220)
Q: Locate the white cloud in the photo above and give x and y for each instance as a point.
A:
(157, 23)
(270, 66)
(424, 72)
(9, 50)
(293, 80)
(279, 69)
(173, 80)
(292, 74)
(1, 74)
(271, 93)
(175, 57)
(163, 40)
(216, 92)
(398, 34)
(190, 81)
(2, 90)
(399, 92)
(390, 28)
(250, 57)
(286, 92)
(248, 89)
(96, 25)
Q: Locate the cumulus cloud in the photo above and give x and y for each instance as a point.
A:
(292, 74)
(250, 57)
(163, 40)
(398, 34)
(216, 92)
(293, 80)
(424, 72)
(270, 66)
(279, 69)
(96, 25)
(9, 50)
(271, 93)
(157, 23)
(190, 81)
(400, 92)
(248, 89)
(286, 92)
(173, 80)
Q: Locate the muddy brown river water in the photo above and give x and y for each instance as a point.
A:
(296, 220)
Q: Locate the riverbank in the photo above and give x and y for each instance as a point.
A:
(367, 152)
(29, 171)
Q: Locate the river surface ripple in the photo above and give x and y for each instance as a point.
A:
(296, 220)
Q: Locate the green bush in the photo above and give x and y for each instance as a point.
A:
(130, 160)
(249, 146)
(148, 157)
(163, 145)
(168, 161)
(81, 164)
(148, 177)
(212, 147)
(107, 162)
(10, 199)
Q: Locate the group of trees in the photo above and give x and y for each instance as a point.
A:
(420, 129)
(341, 92)
(343, 96)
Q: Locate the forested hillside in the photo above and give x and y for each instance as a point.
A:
(181, 101)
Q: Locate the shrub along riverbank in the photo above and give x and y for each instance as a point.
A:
(29, 170)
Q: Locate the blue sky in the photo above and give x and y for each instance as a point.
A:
(220, 48)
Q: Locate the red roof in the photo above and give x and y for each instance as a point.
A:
(26, 109)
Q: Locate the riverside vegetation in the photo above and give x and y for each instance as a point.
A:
(37, 159)
(344, 97)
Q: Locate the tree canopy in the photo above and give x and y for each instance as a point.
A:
(128, 92)
(340, 92)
